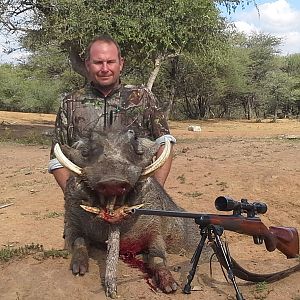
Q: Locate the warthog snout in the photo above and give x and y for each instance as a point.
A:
(113, 187)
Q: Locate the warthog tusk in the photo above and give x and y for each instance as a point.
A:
(65, 161)
(96, 210)
(160, 161)
(111, 204)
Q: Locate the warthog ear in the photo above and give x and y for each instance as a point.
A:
(66, 162)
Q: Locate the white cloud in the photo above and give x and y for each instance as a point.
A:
(291, 43)
(277, 18)
(245, 27)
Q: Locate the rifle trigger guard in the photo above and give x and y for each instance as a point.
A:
(258, 240)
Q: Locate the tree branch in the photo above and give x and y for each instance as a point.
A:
(77, 62)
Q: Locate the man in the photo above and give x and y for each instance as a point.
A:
(105, 103)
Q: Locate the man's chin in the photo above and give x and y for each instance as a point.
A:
(105, 80)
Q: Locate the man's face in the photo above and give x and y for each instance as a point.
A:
(104, 65)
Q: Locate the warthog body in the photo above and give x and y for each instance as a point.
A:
(111, 179)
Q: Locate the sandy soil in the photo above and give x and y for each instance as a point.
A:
(257, 161)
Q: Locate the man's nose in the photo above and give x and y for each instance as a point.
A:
(104, 67)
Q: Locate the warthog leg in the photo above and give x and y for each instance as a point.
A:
(156, 260)
(80, 258)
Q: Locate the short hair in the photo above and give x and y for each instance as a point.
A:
(102, 38)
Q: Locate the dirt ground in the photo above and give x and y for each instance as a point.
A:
(257, 161)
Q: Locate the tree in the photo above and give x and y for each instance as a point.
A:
(191, 80)
(278, 91)
(148, 31)
(292, 68)
(233, 77)
(36, 85)
(262, 50)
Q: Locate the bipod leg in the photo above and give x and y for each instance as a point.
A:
(218, 231)
(195, 260)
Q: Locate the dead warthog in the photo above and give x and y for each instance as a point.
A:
(111, 175)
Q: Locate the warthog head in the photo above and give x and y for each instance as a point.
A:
(109, 165)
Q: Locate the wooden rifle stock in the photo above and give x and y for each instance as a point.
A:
(285, 239)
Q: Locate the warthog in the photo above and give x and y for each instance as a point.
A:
(112, 176)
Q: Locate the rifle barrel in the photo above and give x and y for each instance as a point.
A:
(168, 213)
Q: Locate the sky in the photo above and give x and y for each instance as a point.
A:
(280, 18)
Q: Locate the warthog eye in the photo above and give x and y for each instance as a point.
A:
(137, 147)
(85, 152)
(131, 133)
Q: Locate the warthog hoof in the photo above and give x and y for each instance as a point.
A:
(164, 280)
(80, 258)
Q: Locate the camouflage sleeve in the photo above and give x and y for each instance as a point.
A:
(154, 118)
(60, 134)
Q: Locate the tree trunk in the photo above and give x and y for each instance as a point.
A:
(249, 107)
(173, 72)
(77, 62)
(171, 103)
(154, 73)
(276, 109)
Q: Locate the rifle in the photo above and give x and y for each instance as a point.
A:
(285, 239)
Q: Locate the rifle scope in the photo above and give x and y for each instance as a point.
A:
(224, 203)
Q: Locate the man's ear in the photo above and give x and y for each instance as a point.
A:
(122, 61)
(87, 64)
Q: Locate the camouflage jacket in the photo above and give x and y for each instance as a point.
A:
(125, 107)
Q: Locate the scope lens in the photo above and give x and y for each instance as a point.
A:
(261, 208)
(223, 203)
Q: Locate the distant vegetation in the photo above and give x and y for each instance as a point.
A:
(38, 85)
(194, 61)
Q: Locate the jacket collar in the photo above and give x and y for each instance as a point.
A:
(97, 90)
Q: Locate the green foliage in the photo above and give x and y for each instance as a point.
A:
(263, 48)
(278, 87)
(10, 87)
(292, 64)
(37, 85)
(30, 138)
(9, 252)
(21, 93)
(292, 68)
(144, 29)
(141, 27)
(52, 63)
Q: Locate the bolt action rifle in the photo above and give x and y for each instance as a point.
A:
(285, 239)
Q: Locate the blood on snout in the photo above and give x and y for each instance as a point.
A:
(112, 218)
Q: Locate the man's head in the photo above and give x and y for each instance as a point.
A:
(104, 62)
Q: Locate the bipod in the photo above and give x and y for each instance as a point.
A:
(212, 233)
